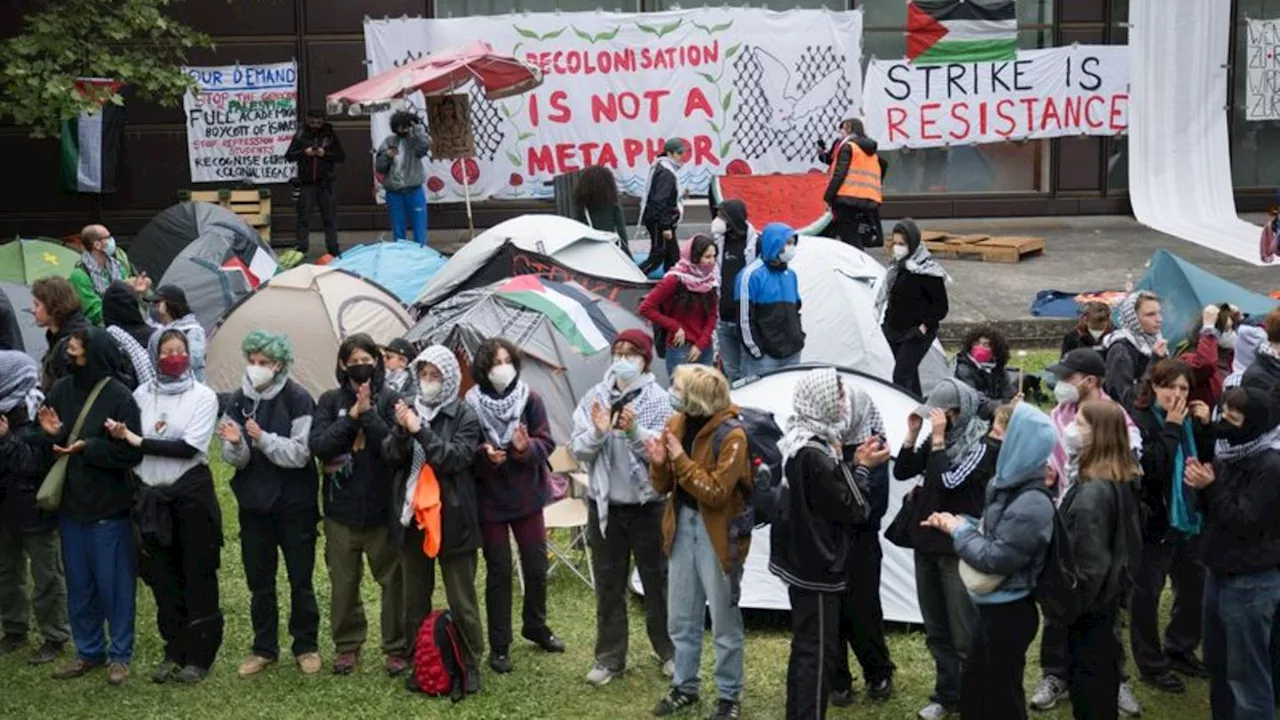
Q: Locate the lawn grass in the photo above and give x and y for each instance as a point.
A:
(542, 686)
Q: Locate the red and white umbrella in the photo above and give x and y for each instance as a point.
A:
(500, 75)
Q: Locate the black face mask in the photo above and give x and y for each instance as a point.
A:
(360, 374)
(1232, 434)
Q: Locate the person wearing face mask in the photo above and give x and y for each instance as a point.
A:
(265, 432)
(123, 320)
(395, 358)
(767, 295)
(94, 523)
(662, 207)
(736, 241)
(683, 305)
(1175, 433)
(610, 425)
(174, 313)
(854, 193)
(982, 364)
(399, 162)
(912, 302)
(1242, 553)
(1095, 324)
(511, 476)
(430, 452)
(102, 262)
(176, 509)
(1134, 345)
(347, 438)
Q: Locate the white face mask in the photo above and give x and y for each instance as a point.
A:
(430, 392)
(900, 252)
(1097, 334)
(110, 247)
(1066, 393)
(1072, 440)
(259, 376)
(502, 376)
(626, 370)
(788, 254)
(718, 226)
(1228, 340)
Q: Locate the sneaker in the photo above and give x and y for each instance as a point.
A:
(600, 676)
(253, 665)
(500, 662)
(310, 663)
(1048, 693)
(117, 673)
(546, 640)
(1127, 702)
(47, 653)
(165, 671)
(727, 710)
(395, 665)
(344, 664)
(1165, 682)
(474, 685)
(12, 643)
(844, 698)
(191, 675)
(880, 690)
(78, 668)
(933, 711)
(1188, 664)
(674, 702)
(669, 668)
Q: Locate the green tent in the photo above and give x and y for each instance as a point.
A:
(24, 261)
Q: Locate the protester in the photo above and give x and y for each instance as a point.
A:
(400, 379)
(1174, 432)
(1011, 544)
(511, 477)
(595, 198)
(663, 207)
(28, 535)
(610, 425)
(703, 462)
(1242, 554)
(101, 263)
(122, 318)
(1210, 353)
(10, 329)
(1100, 514)
(808, 541)
(434, 440)
(956, 463)
(316, 149)
(173, 312)
(176, 508)
(347, 438)
(56, 308)
(982, 364)
(1133, 346)
(1262, 375)
(264, 432)
(399, 161)
(912, 300)
(1095, 324)
(768, 301)
(683, 305)
(1249, 337)
(736, 242)
(97, 533)
(854, 193)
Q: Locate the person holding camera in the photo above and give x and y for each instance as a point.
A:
(399, 162)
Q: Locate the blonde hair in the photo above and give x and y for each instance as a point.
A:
(1108, 455)
(704, 389)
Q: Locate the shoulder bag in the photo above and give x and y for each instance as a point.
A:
(49, 497)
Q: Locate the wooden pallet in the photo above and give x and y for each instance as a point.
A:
(987, 248)
(254, 206)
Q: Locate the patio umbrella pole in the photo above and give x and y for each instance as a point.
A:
(466, 194)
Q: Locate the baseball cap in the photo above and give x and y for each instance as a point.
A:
(673, 145)
(944, 396)
(402, 347)
(1086, 361)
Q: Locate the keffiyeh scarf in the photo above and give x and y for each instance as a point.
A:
(101, 276)
(864, 417)
(816, 412)
(1229, 453)
(693, 276)
(19, 382)
(919, 262)
(499, 416)
(144, 369)
(446, 362)
(669, 164)
(1131, 329)
(968, 429)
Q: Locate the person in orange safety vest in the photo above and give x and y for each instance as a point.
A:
(854, 192)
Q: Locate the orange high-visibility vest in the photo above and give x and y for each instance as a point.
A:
(863, 179)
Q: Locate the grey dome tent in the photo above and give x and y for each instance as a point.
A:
(160, 242)
(218, 269)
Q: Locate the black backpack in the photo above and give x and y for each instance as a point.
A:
(763, 498)
(1058, 590)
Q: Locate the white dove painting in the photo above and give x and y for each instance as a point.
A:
(792, 107)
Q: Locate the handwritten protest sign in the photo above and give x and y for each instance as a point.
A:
(240, 122)
(1262, 93)
(449, 120)
(748, 90)
(1056, 92)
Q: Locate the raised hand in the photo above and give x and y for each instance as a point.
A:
(1200, 411)
(657, 449)
(1197, 474)
(364, 401)
(1176, 414)
(674, 449)
(871, 454)
(230, 432)
(938, 420)
(520, 439)
(49, 421)
(914, 423)
(627, 419)
(599, 418)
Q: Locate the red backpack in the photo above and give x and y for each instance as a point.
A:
(438, 669)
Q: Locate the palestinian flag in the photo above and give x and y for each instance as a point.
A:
(572, 311)
(961, 31)
(91, 143)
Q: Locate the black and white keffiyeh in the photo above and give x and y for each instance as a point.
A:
(144, 369)
(864, 417)
(816, 411)
(499, 416)
(1131, 328)
(19, 382)
(100, 275)
(442, 359)
(919, 262)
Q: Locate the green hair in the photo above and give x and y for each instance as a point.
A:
(276, 347)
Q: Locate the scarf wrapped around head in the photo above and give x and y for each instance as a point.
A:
(19, 383)
(815, 412)
(163, 384)
(100, 275)
(919, 261)
(442, 359)
(967, 429)
(1131, 328)
(864, 417)
(690, 272)
(1261, 430)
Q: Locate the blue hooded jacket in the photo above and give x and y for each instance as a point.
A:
(1017, 522)
(768, 296)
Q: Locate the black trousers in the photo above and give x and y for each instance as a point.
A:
(664, 253)
(183, 575)
(815, 639)
(992, 683)
(1179, 561)
(908, 353)
(312, 198)
(293, 535)
(1094, 674)
(632, 530)
(861, 615)
(1055, 651)
(855, 227)
(531, 540)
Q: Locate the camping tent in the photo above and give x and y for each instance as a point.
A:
(761, 589)
(402, 267)
(162, 239)
(24, 261)
(217, 269)
(1186, 289)
(574, 245)
(555, 365)
(316, 307)
(33, 337)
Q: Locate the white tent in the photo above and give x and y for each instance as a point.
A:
(568, 241)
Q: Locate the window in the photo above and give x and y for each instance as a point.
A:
(463, 8)
(1255, 145)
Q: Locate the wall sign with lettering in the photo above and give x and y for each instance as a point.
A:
(240, 123)
(1262, 93)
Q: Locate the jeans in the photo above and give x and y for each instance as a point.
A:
(458, 570)
(530, 533)
(732, 353)
(311, 198)
(815, 636)
(1238, 614)
(1179, 560)
(294, 536)
(696, 580)
(992, 684)
(345, 549)
(861, 615)
(633, 530)
(183, 575)
(1094, 673)
(408, 208)
(950, 620)
(677, 356)
(101, 586)
(757, 366)
(48, 585)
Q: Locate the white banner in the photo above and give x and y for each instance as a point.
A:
(748, 90)
(1262, 93)
(1055, 92)
(240, 122)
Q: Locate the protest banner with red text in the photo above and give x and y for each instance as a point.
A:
(240, 122)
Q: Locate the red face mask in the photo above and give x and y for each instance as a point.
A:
(173, 365)
(980, 354)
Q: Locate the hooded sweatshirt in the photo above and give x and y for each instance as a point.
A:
(26, 453)
(404, 171)
(736, 248)
(314, 170)
(1017, 522)
(356, 491)
(99, 477)
(768, 299)
(53, 367)
(120, 309)
(1242, 526)
(196, 342)
(914, 298)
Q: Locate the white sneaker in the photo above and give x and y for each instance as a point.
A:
(933, 711)
(600, 676)
(1048, 693)
(669, 668)
(1127, 702)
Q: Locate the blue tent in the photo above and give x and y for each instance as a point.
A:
(402, 267)
(1186, 289)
